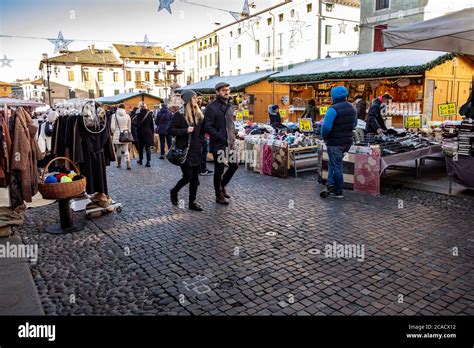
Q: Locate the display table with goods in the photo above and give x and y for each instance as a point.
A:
(274, 153)
(367, 160)
(458, 149)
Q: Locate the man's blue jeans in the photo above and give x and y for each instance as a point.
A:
(335, 173)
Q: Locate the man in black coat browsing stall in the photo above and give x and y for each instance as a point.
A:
(219, 124)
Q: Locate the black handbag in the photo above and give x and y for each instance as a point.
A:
(125, 136)
(176, 155)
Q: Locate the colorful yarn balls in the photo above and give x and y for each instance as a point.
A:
(65, 179)
(51, 180)
(72, 174)
(60, 176)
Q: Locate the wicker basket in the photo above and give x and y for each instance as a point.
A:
(61, 190)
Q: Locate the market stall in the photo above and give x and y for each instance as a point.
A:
(251, 93)
(421, 83)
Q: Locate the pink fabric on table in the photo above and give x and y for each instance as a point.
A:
(367, 174)
(267, 160)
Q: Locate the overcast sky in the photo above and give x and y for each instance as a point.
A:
(107, 20)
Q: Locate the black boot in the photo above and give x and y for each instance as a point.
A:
(140, 162)
(195, 207)
(148, 165)
(225, 194)
(327, 191)
(174, 198)
(220, 198)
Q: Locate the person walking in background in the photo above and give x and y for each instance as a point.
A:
(219, 124)
(311, 111)
(205, 144)
(162, 121)
(375, 121)
(145, 131)
(121, 122)
(188, 122)
(340, 120)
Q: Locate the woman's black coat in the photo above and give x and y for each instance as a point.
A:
(179, 127)
(145, 128)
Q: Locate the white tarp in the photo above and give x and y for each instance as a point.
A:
(453, 32)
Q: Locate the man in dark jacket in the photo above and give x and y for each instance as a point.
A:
(375, 121)
(340, 120)
(311, 111)
(361, 107)
(275, 117)
(162, 121)
(145, 132)
(219, 124)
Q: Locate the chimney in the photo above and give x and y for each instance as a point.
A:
(92, 47)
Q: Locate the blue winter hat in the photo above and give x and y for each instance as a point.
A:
(275, 107)
(339, 93)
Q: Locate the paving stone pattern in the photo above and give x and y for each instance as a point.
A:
(155, 259)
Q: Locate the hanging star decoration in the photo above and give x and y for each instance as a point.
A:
(60, 44)
(342, 27)
(146, 43)
(296, 28)
(246, 9)
(247, 27)
(5, 61)
(165, 5)
(236, 15)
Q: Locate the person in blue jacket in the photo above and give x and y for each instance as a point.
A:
(338, 124)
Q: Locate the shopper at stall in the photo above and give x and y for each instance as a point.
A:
(145, 131)
(219, 124)
(361, 107)
(312, 111)
(162, 121)
(340, 120)
(275, 118)
(121, 122)
(187, 126)
(375, 121)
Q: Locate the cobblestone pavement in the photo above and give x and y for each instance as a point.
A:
(264, 254)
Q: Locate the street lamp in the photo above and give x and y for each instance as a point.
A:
(48, 73)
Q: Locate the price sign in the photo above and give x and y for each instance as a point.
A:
(246, 113)
(306, 125)
(283, 113)
(239, 116)
(448, 109)
(323, 110)
(412, 121)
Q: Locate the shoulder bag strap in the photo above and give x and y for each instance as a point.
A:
(116, 121)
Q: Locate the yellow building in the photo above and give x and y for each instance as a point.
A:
(5, 89)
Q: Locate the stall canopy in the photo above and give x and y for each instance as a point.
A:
(370, 65)
(237, 83)
(453, 32)
(17, 102)
(121, 98)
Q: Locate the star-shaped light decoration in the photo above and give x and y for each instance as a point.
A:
(236, 15)
(165, 5)
(5, 61)
(296, 28)
(342, 27)
(60, 44)
(246, 27)
(146, 43)
(246, 9)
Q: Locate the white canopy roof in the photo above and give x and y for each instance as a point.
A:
(453, 32)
